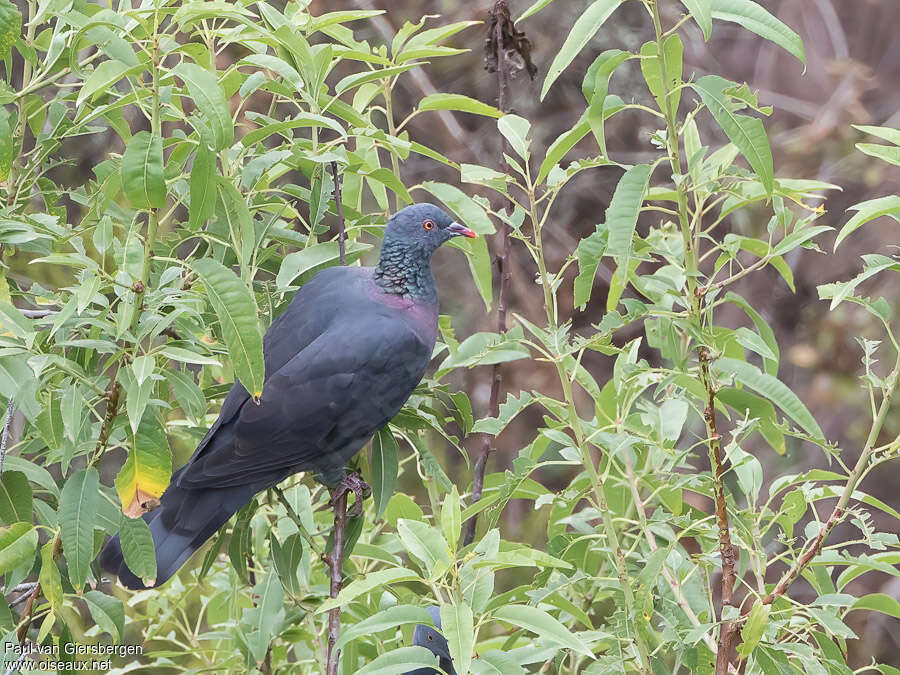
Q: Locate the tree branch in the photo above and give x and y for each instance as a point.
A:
(335, 561)
(495, 45)
(342, 233)
(4, 435)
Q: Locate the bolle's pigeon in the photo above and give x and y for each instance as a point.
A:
(431, 638)
(340, 363)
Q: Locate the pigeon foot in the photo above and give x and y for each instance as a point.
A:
(354, 483)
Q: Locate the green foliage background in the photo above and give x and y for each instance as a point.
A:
(646, 426)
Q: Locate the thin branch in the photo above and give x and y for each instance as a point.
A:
(728, 631)
(4, 435)
(342, 234)
(335, 561)
(499, 16)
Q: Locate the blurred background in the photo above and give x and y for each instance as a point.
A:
(852, 76)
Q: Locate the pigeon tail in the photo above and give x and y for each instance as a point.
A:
(181, 524)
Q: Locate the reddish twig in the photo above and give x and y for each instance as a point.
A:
(342, 233)
(335, 561)
(728, 630)
(502, 32)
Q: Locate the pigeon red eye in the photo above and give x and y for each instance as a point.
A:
(428, 224)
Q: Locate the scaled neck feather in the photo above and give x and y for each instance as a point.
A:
(406, 271)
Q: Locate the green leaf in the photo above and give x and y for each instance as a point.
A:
(866, 211)
(236, 310)
(561, 146)
(621, 220)
(586, 25)
(480, 265)
(203, 186)
(538, 621)
(78, 505)
(460, 103)
(773, 389)
(888, 153)
(651, 67)
(137, 548)
(142, 171)
(702, 14)
(878, 602)
(536, 7)
(425, 543)
(266, 617)
(358, 79)
(392, 617)
(458, 626)
(300, 266)
(451, 518)
(10, 28)
(758, 20)
(366, 583)
(145, 475)
(747, 133)
(384, 468)
(754, 406)
(595, 88)
(15, 498)
(49, 576)
(209, 96)
(102, 79)
(400, 660)
(515, 130)
(6, 143)
(108, 613)
(287, 557)
(18, 543)
(754, 628)
(887, 133)
(765, 330)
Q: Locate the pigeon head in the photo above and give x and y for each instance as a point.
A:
(411, 236)
(424, 227)
(431, 639)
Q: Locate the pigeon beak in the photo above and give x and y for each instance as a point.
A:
(455, 229)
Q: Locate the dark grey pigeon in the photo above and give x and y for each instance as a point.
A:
(431, 638)
(340, 363)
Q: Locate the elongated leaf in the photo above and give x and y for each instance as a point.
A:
(108, 613)
(753, 630)
(137, 548)
(358, 79)
(210, 99)
(460, 103)
(451, 518)
(203, 186)
(384, 468)
(538, 621)
(462, 205)
(287, 558)
(758, 20)
(401, 660)
(622, 213)
(142, 171)
(773, 389)
(10, 26)
(888, 153)
(458, 626)
(595, 88)
(236, 310)
(266, 617)
(365, 584)
(6, 143)
(398, 615)
(298, 267)
(102, 79)
(49, 577)
(866, 211)
(586, 26)
(15, 498)
(702, 13)
(879, 602)
(147, 469)
(563, 143)
(78, 505)
(479, 259)
(747, 133)
(18, 543)
(426, 543)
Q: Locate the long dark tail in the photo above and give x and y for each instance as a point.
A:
(181, 524)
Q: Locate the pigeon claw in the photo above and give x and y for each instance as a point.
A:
(354, 483)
